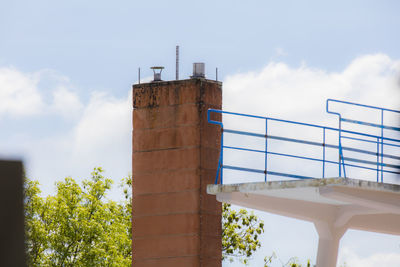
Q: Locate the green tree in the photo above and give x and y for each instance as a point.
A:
(240, 232)
(77, 226)
(293, 262)
(35, 231)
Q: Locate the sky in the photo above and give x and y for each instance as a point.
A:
(67, 67)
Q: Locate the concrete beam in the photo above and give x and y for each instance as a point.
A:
(298, 209)
(333, 205)
(373, 199)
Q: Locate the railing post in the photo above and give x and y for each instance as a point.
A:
(323, 154)
(382, 146)
(218, 169)
(342, 162)
(266, 149)
(222, 154)
(341, 159)
(377, 160)
(340, 147)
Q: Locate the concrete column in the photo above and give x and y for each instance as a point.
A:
(175, 155)
(328, 243)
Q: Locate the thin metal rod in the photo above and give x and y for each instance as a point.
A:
(177, 63)
(374, 163)
(216, 74)
(218, 169)
(372, 169)
(300, 141)
(380, 166)
(296, 123)
(382, 146)
(371, 124)
(360, 105)
(377, 159)
(222, 157)
(340, 148)
(139, 75)
(323, 156)
(318, 160)
(270, 172)
(266, 150)
(368, 141)
(278, 154)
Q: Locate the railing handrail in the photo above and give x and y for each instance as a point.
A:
(357, 104)
(382, 126)
(292, 122)
(380, 140)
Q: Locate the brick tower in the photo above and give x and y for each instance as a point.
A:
(175, 155)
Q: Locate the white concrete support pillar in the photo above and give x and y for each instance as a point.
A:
(327, 252)
(328, 243)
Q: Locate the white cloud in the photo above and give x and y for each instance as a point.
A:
(350, 259)
(103, 133)
(73, 136)
(37, 93)
(99, 136)
(66, 102)
(19, 95)
(299, 94)
(279, 90)
(99, 130)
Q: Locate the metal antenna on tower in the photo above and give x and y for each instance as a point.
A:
(177, 63)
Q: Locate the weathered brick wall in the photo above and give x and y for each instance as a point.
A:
(175, 155)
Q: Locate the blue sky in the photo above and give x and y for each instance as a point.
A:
(66, 70)
(101, 44)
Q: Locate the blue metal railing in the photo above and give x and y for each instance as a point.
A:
(381, 141)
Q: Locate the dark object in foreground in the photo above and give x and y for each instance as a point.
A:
(12, 252)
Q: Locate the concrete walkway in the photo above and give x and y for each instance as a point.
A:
(333, 205)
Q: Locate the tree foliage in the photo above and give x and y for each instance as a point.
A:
(240, 233)
(77, 226)
(293, 262)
